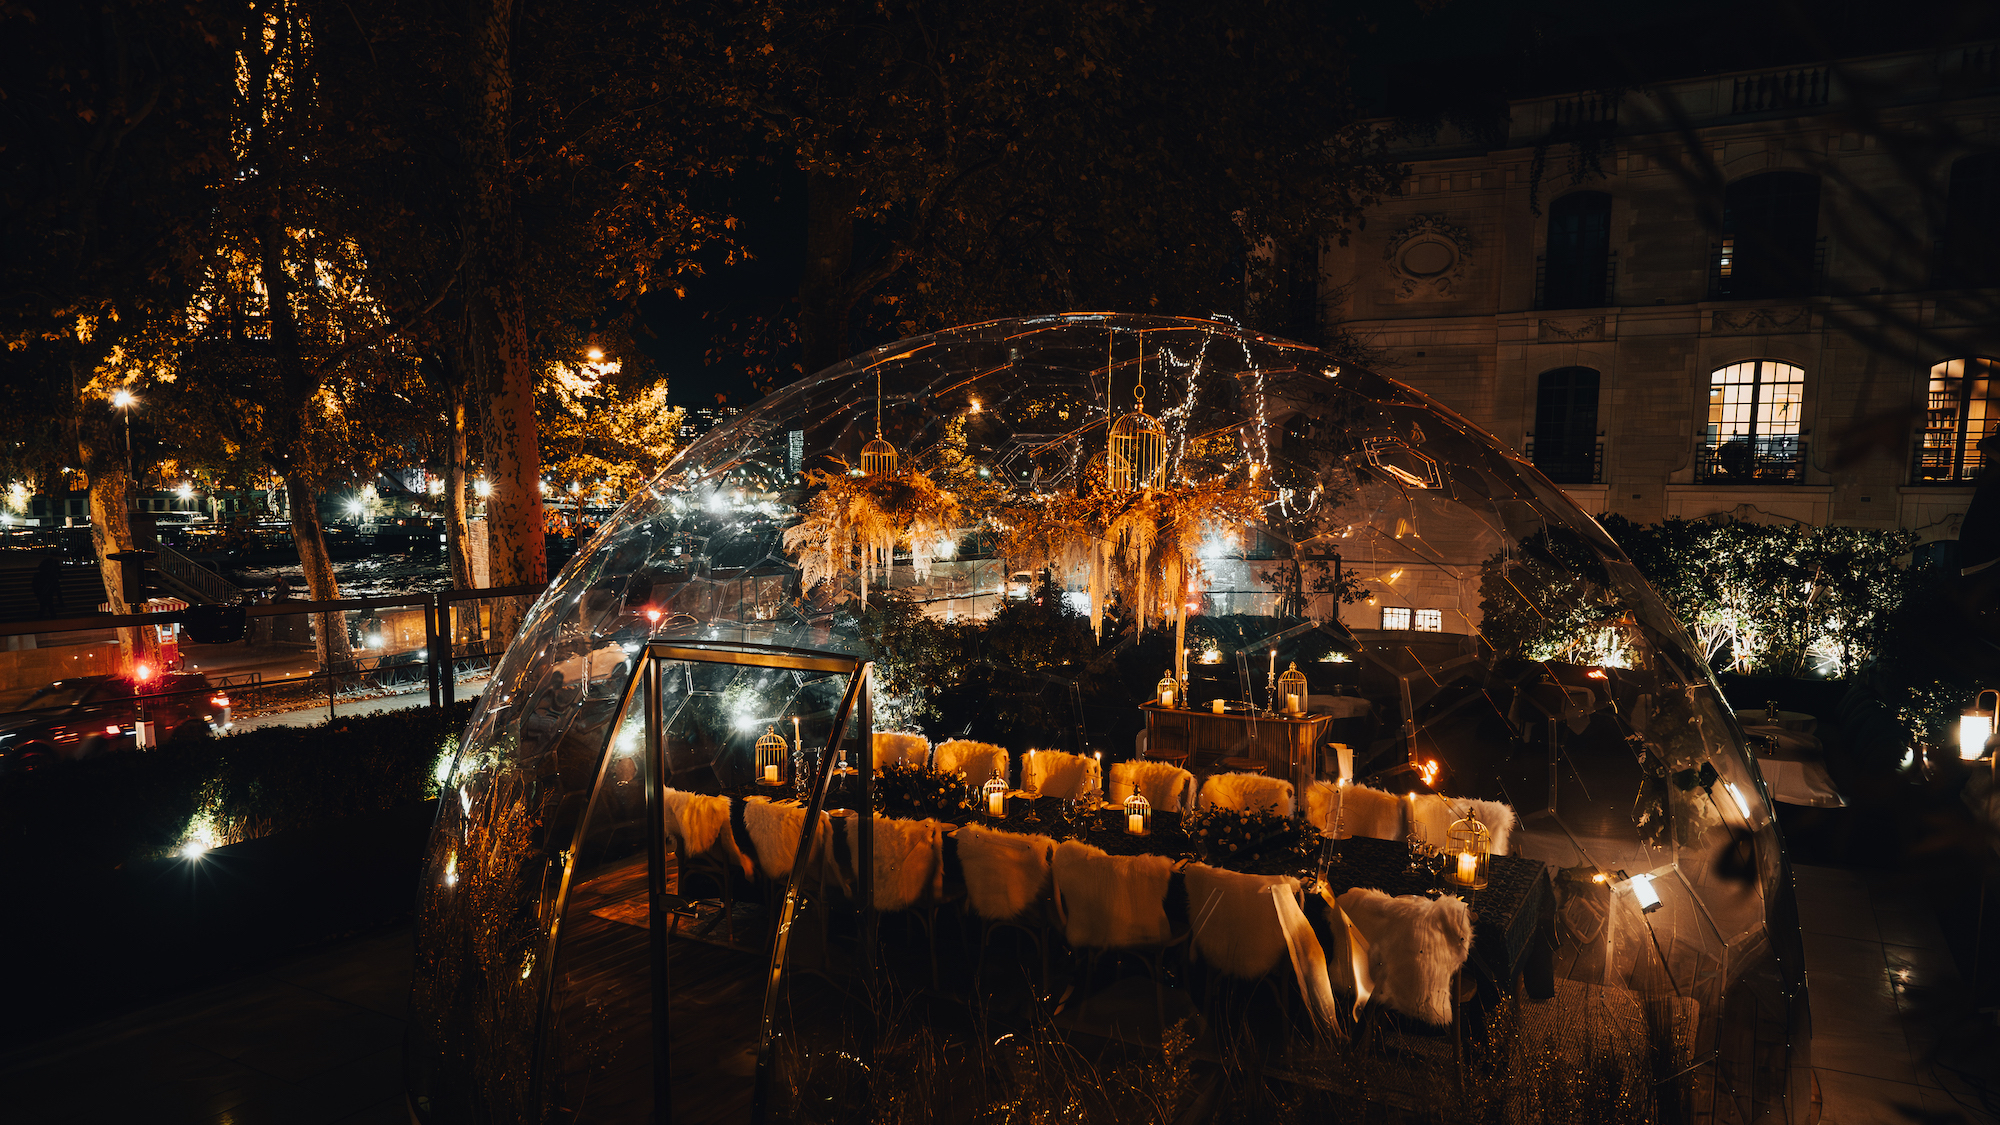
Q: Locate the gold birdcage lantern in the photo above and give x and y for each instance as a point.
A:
(1169, 690)
(1138, 815)
(1137, 456)
(994, 796)
(773, 757)
(1468, 847)
(878, 458)
(1292, 690)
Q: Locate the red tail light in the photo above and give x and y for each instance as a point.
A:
(110, 730)
(142, 672)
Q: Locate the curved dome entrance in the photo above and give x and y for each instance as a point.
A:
(671, 765)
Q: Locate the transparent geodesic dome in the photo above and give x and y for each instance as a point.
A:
(1489, 625)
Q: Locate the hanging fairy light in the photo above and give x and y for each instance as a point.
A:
(1137, 455)
(878, 457)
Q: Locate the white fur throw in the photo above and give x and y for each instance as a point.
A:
(1415, 945)
(1111, 901)
(977, 760)
(1234, 927)
(890, 747)
(774, 833)
(1053, 773)
(1436, 815)
(699, 825)
(1005, 872)
(1247, 792)
(1166, 786)
(1357, 810)
(908, 860)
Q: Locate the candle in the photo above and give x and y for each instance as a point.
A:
(1100, 774)
(996, 804)
(1166, 697)
(1292, 703)
(1274, 664)
(1135, 824)
(1215, 705)
(1468, 868)
(798, 746)
(771, 775)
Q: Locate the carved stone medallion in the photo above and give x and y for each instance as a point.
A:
(1427, 258)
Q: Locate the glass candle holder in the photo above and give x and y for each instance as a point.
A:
(1138, 815)
(994, 797)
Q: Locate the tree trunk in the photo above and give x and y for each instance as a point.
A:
(825, 297)
(499, 319)
(330, 629)
(111, 532)
(457, 550)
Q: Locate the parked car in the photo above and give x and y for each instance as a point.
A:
(89, 715)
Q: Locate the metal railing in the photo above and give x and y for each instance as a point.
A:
(421, 641)
(1946, 464)
(1748, 460)
(1571, 466)
(192, 580)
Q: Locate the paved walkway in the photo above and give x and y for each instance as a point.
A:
(316, 1041)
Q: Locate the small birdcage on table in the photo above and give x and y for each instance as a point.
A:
(1468, 847)
(773, 757)
(1291, 694)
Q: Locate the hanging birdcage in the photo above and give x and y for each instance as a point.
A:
(1292, 690)
(772, 757)
(1137, 457)
(878, 458)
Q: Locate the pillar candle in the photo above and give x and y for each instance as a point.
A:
(1135, 824)
(771, 774)
(1215, 705)
(1167, 698)
(1468, 868)
(996, 805)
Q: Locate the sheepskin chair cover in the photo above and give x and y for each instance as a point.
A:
(774, 834)
(1005, 872)
(914, 749)
(1248, 792)
(1111, 901)
(1053, 773)
(909, 860)
(1233, 924)
(978, 761)
(1356, 809)
(699, 825)
(1166, 786)
(1415, 944)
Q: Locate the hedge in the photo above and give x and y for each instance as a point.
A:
(116, 809)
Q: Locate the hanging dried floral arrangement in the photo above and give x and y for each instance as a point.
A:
(857, 521)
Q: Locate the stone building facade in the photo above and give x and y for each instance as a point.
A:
(1767, 294)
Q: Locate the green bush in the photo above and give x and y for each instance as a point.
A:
(117, 809)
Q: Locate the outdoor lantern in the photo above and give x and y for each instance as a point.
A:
(1138, 815)
(878, 458)
(995, 790)
(1292, 690)
(1469, 847)
(1167, 689)
(772, 752)
(1975, 726)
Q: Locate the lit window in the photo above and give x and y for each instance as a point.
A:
(1963, 406)
(1754, 411)
(1395, 617)
(1430, 621)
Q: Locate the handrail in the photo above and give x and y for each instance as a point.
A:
(268, 609)
(193, 578)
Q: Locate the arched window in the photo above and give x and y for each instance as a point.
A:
(1576, 270)
(1566, 448)
(1754, 409)
(1770, 237)
(1970, 254)
(1963, 406)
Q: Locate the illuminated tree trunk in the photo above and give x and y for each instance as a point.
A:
(458, 552)
(499, 319)
(330, 629)
(110, 533)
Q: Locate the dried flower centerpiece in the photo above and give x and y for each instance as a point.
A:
(855, 521)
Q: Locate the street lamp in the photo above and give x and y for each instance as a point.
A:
(124, 401)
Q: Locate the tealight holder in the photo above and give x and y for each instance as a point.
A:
(994, 798)
(1138, 815)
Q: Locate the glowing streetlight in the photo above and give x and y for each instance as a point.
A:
(596, 355)
(124, 400)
